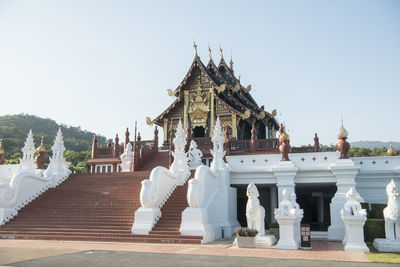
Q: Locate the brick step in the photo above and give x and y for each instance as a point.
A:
(159, 232)
(95, 234)
(130, 238)
(83, 215)
(70, 224)
(69, 230)
(92, 221)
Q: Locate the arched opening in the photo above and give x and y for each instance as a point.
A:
(199, 131)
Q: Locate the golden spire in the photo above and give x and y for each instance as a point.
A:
(391, 151)
(231, 63)
(195, 48)
(209, 51)
(41, 148)
(342, 133)
(220, 49)
(1, 148)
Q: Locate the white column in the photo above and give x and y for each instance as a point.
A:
(345, 172)
(273, 202)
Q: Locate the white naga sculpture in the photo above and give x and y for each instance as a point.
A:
(255, 213)
(287, 216)
(127, 158)
(195, 155)
(354, 218)
(158, 188)
(392, 221)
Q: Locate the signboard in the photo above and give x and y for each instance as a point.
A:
(305, 236)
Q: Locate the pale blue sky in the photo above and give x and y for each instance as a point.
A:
(102, 65)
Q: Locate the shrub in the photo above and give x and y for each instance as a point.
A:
(273, 225)
(374, 228)
(243, 231)
(377, 211)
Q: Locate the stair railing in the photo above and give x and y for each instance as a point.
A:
(158, 188)
(211, 200)
(20, 187)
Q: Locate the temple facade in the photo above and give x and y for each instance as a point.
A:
(211, 91)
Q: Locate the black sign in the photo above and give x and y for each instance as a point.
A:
(305, 236)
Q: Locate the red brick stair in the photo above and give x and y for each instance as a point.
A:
(96, 207)
(159, 159)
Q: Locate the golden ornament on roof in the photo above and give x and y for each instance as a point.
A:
(221, 88)
(41, 148)
(246, 114)
(342, 133)
(149, 121)
(273, 113)
(391, 151)
(283, 136)
(248, 88)
(1, 147)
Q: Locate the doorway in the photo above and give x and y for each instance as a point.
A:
(199, 131)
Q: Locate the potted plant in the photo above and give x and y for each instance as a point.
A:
(246, 237)
(273, 229)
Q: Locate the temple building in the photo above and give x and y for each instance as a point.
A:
(212, 91)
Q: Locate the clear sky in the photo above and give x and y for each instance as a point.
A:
(102, 65)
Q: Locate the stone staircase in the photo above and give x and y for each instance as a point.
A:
(97, 207)
(159, 159)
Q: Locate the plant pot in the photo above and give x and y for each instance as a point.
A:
(246, 242)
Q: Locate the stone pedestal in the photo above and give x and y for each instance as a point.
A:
(354, 241)
(345, 172)
(385, 245)
(287, 238)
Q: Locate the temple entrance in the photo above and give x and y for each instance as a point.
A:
(199, 131)
(315, 201)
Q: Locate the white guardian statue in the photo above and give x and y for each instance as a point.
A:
(195, 155)
(392, 221)
(127, 158)
(392, 212)
(354, 218)
(255, 213)
(287, 217)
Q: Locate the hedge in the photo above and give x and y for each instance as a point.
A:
(374, 228)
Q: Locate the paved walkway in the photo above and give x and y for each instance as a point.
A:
(12, 251)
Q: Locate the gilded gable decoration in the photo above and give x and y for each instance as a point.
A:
(198, 108)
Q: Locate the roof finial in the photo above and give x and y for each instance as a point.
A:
(231, 63)
(220, 49)
(209, 50)
(195, 48)
(342, 133)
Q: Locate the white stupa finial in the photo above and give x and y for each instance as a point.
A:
(29, 148)
(217, 151)
(58, 148)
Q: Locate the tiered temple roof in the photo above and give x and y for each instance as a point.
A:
(226, 88)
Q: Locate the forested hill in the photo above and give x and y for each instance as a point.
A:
(14, 129)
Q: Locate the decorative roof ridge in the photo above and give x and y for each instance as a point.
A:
(218, 73)
(197, 62)
(229, 72)
(159, 117)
